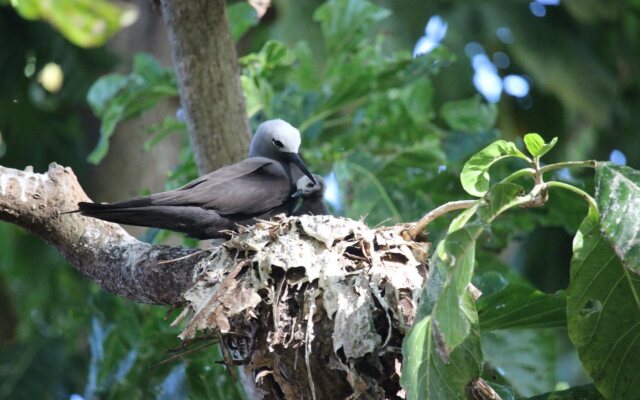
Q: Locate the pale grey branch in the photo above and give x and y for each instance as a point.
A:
(101, 251)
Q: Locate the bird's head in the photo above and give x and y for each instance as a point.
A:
(305, 188)
(278, 140)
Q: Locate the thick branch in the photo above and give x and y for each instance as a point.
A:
(209, 81)
(101, 251)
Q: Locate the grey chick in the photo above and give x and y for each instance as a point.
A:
(312, 195)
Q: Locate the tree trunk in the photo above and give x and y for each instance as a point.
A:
(209, 81)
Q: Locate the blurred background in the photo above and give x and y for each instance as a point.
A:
(391, 98)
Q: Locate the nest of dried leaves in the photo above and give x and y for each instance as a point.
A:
(312, 307)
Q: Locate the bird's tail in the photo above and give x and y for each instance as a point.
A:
(193, 221)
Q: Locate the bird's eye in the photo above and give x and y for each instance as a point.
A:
(277, 143)
(310, 185)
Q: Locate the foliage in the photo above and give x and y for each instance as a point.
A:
(396, 138)
(360, 78)
(86, 23)
(115, 97)
(602, 322)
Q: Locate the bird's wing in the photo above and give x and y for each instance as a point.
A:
(249, 187)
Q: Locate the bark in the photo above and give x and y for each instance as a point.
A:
(208, 75)
(101, 251)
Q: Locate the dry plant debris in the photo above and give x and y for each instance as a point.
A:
(318, 290)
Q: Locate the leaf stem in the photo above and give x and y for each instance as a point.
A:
(586, 196)
(438, 212)
(568, 164)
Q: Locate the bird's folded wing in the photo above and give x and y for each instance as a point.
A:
(249, 187)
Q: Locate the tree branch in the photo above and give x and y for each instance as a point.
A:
(208, 75)
(438, 212)
(101, 251)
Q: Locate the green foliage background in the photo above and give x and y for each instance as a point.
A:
(395, 131)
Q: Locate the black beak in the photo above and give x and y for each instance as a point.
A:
(295, 158)
(297, 194)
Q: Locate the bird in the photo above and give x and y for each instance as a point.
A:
(312, 195)
(259, 186)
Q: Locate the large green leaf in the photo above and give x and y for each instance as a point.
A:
(603, 313)
(86, 23)
(455, 257)
(525, 357)
(425, 375)
(618, 197)
(475, 173)
(520, 306)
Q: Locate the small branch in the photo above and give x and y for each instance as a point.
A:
(590, 200)
(101, 251)
(438, 212)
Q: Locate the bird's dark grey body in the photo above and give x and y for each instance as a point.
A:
(258, 187)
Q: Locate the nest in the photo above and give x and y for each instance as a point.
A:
(311, 306)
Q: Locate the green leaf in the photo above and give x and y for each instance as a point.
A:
(475, 173)
(241, 17)
(116, 97)
(505, 392)
(86, 23)
(520, 306)
(618, 197)
(536, 144)
(525, 357)
(603, 313)
(104, 90)
(455, 257)
(344, 22)
(469, 115)
(584, 392)
(276, 54)
(425, 375)
(164, 129)
(459, 146)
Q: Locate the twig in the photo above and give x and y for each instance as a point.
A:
(183, 257)
(228, 360)
(307, 347)
(438, 212)
(184, 353)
